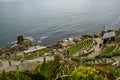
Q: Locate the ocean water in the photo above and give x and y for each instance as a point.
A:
(46, 21)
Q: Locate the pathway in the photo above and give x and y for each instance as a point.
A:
(27, 64)
(97, 48)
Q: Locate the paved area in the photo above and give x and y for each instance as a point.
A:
(97, 48)
(27, 64)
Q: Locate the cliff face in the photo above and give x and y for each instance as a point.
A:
(24, 43)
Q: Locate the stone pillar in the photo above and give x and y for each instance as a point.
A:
(104, 61)
(1, 64)
(80, 58)
(37, 53)
(94, 63)
(9, 61)
(44, 59)
(17, 67)
(22, 61)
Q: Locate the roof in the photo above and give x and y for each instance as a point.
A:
(109, 35)
(32, 49)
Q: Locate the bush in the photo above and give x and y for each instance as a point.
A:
(76, 59)
(50, 69)
(116, 72)
(87, 73)
(17, 58)
(95, 36)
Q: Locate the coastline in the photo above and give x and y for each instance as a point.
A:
(46, 40)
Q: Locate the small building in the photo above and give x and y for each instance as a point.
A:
(35, 48)
(108, 37)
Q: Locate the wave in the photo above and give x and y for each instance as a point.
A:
(40, 40)
(43, 37)
(30, 38)
(13, 42)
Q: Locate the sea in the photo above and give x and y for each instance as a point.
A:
(47, 21)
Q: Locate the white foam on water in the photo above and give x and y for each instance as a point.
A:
(13, 42)
(43, 37)
(30, 38)
(40, 40)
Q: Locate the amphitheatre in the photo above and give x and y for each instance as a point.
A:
(97, 51)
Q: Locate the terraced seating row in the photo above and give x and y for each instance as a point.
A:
(108, 51)
(81, 46)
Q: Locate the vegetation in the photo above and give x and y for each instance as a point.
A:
(87, 73)
(76, 59)
(21, 75)
(117, 33)
(115, 53)
(81, 46)
(17, 58)
(49, 69)
(116, 73)
(108, 51)
(53, 70)
(86, 36)
(95, 36)
(60, 69)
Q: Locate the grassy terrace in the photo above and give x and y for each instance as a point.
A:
(117, 33)
(32, 55)
(107, 52)
(81, 46)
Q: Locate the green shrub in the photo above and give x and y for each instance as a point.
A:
(86, 73)
(50, 69)
(17, 58)
(76, 59)
(116, 72)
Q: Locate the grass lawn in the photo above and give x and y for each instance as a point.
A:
(17, 58)
(81, 46)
